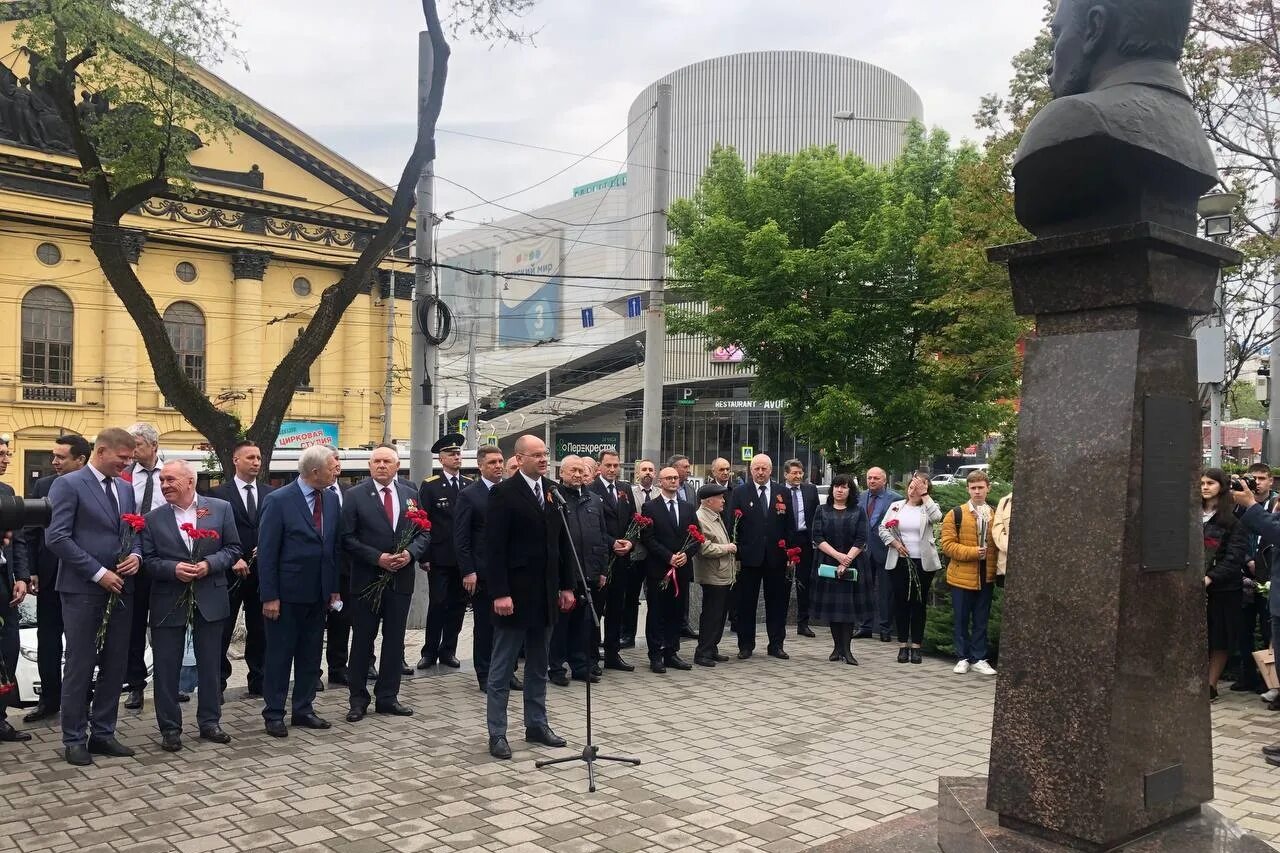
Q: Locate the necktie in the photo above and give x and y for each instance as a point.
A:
(386, 506)
(317, 511)
(613, 496)
(336, 493)
(646, 495)
(675, 516)
(764, 499)
(871, 505)
(450, 483)
(109, 486)
(148, 491)
(537, 492)
(795, 507)
(250, 503)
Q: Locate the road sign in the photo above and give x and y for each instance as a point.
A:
(747, 452)
(633, 306)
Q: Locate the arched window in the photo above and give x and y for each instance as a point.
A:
(46, 345)
(185, 324)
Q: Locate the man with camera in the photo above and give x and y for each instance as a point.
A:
(1266, 526)
(14, 577)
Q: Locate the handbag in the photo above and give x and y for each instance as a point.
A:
(833, 572)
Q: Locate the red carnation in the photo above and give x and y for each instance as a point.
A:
(737, 513)
(782, 543)
(892, 524)
(134, 520)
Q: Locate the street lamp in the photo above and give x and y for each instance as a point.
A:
(1215, 209)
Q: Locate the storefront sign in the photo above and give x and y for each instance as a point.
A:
(299, 434)
(587, 443)
(619, 180)
(747, 404)
(732, 354)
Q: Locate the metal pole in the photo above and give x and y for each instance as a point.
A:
(473, 403)
(1215, 425)
(388, 383)
(422, 412)
(1272, 447)
(655, 326)
(546, 403)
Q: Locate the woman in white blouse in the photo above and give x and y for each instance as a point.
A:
(912, 560)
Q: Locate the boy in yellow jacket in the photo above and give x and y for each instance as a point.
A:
(971, 573)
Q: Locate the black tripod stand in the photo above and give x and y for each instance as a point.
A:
(590, 752)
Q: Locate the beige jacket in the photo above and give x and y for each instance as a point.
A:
(713, 564)
(1000, 531)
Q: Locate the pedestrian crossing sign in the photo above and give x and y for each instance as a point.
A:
(747, 452)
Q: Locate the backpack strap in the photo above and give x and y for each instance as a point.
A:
(956, 516)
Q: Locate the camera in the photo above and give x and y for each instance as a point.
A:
(1246, 480)
(17, 513)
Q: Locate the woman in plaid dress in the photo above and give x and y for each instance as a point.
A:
(839, 535)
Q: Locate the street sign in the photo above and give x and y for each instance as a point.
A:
(747, 452)
(633, 306)
(462, 425)
(687, 397)
(588, 317)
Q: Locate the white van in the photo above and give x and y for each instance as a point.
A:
(963, 472)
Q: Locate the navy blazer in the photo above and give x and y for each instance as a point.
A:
(468, 528)
(367, 535)
(296, 564)
(85, 534)
(163, 549)
(875, 546)
(617, 513)
(759, 531)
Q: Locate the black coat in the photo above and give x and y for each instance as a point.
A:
(662, 540)
(617, 513)
(16, 553)
(367, 535)
(1225, 548)
(469, 539)
(439, 500)
(523, 559)
(246, 528)
(586, 515)
(40, 560)
(759, 532)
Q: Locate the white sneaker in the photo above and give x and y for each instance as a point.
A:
(962, 667)
(984, 668)
(1270, 695)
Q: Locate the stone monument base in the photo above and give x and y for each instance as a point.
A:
(965, 825)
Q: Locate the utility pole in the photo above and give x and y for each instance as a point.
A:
(546, 426)
(473, 404)
(1271, 449)
(655, 324)
(388, 383)
(423, 412)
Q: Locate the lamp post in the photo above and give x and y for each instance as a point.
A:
(1215, 210)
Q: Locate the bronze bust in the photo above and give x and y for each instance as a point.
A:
(1121, 142)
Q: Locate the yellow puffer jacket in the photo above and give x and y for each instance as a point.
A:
(962, 550)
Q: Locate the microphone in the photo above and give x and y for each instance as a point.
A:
(556, 497)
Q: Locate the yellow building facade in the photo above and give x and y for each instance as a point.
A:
(236, 270)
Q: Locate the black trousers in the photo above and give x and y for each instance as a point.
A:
(804, 580)
(10, 646)
(167, 647)
(571, 639)
(910, 593)
(662, 625)
(338, 631)
(392, 613)
(614, 599)
(635, 582)
(245, 597)
(135, 672)
(715, 603)
(49, 630)
(446, 608)
(777, 597)
(481, 632)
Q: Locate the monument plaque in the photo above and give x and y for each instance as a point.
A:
(1169, 427)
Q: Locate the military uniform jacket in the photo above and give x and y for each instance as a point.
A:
(439, 499)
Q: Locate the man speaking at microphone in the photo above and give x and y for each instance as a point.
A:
(528, 582)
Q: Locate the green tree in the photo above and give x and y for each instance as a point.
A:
(846, 287)
(1243, 402)
(142, 53)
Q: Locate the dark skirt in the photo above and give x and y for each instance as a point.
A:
(835, 600)
(1224, 620)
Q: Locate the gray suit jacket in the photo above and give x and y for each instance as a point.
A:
(84, 533)
(163, 549)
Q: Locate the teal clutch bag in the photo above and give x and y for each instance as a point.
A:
(833, 573)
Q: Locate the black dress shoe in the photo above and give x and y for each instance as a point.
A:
(904, 655)
(688, 633)
(215, 735)
(588, 676)
(337, 677)
(499, 748)
(277, 728)
(704, 661)
(677, 662)
(558, 678)
(835, 655)
(627, 643)
(40, 712)
(543, 735)
(424, 663)
(395, 709)
(109, 746)
(355, 715)
(743, 654)
(1273, 760)
(451, 661)
(803, 630)
(885, 638)
(917, 656)
(596, 670)
(8, 734)
(718, 658)
(77, 755)
(171, 741)
(616, 662)
(850, 659)
(779, 654)
(1274, 749)
(405, 669)
(1274, 704)
(516, 684)
(658, 667)
(309, 721)
(184, 697)
(133, 701)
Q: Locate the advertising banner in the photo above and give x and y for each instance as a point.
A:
(529, 307)
(587, 443)
(296, 435)
(472, 298)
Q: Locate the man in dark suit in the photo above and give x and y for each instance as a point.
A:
(144, 476)
(469, 544)
(571, 640)
(874, 503)
(619, 507)
(448, 599)
(178, 561)
(85, 535)
(298, 581)
(643, 490)
(379, 538)
(70, 453)
(668, 571)
(245, 494)
(765, 522)
(15, 578)
(802, 500)
(529, 584)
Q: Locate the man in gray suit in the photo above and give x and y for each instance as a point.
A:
(87, 535)
(175, 562)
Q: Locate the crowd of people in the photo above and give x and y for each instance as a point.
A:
(133, 551)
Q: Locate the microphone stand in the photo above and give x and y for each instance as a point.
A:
(590, 752)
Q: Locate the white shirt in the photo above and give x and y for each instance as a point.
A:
(395, 500)
(797, 501)
(139, 484)
(185, 515)
(115, 484)
(244, 497)
(488, 484)
(911, 528)
(336, 491)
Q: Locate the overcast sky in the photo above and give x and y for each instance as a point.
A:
(346, 73)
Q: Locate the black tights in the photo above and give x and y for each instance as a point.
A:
(910, 592)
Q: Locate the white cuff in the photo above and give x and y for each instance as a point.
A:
(97, 576)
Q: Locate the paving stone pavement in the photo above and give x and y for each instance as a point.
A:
(757, 755)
